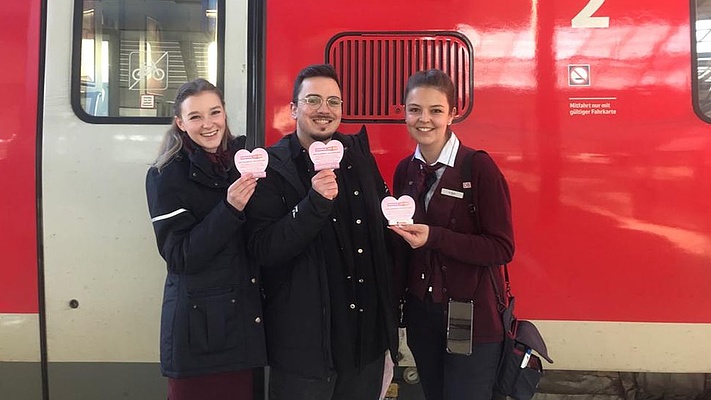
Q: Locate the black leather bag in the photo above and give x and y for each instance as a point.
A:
(520, 368)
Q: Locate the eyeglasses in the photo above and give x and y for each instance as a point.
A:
(314, 101)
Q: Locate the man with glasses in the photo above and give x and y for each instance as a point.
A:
(319, 237)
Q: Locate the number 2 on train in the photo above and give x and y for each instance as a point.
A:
(584, 18)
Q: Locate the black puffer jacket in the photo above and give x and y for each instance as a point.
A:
(211, 318)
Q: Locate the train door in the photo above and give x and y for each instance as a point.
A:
(112, 68)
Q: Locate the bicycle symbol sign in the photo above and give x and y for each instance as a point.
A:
(152, 71)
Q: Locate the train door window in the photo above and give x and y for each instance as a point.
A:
(702, 47)
(130, 56)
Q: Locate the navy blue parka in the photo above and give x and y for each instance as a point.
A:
(211, 318)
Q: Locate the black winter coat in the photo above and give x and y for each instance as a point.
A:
(211, 318)
(285, 220)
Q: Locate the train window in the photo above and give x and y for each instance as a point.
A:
(702, 46)
(130, 56)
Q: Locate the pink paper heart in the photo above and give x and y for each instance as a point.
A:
(254, 162)
(398, 211)
(326, 155)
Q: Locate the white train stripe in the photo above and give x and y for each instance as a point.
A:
(20, 338)
(169, 215)
(619, 346)
(627, 346)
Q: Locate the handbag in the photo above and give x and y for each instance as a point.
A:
(520, 369)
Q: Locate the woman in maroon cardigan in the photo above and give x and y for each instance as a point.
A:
(454, 254)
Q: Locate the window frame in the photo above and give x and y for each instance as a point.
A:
(695, 94)
(75, 87)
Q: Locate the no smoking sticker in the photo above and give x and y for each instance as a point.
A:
(578, 75)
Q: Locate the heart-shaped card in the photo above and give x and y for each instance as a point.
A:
(254, 162)
(326, 155)
(398, 211)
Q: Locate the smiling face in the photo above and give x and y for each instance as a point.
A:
(316, 123)
(203, 117)
(427, 116)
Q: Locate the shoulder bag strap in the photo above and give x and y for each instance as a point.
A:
(468, 188)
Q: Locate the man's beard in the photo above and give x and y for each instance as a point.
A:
(321, 136)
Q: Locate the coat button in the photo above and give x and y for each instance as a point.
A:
(360, 280)
(358, 221)
(194, 174)
(253, 280)
(334, 220)
(444, 268)
(233, 301)
(360, 310)
(356, 193)
(257, 320)
(360, 251)
(352, 306)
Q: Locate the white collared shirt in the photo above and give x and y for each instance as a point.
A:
(446, 157)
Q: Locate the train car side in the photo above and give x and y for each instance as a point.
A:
(597, 112)
(587, 108)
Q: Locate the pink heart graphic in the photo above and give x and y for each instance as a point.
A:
(326, 155)
(398, 211)
(255, 162)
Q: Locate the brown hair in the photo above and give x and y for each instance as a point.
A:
(433, 78)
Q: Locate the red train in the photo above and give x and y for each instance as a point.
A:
(597, 112)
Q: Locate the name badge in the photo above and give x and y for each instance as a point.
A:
(452, 193)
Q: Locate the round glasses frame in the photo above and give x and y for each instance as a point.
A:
(315, 101)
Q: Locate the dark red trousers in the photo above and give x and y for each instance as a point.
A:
(223, 386)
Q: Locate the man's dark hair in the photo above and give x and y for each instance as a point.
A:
(312, 71)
